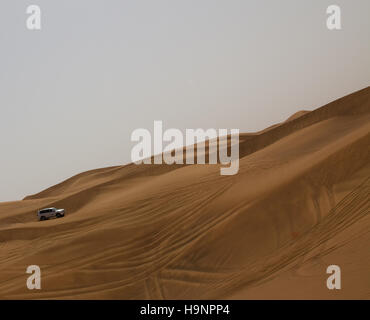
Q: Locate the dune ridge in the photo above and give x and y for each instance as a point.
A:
(298, 204)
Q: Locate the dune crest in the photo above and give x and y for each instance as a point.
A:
(297, 115)
(298, 204)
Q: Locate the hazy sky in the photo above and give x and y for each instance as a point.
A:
(72, 93)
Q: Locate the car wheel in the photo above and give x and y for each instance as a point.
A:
(42, 218)
(59, 215)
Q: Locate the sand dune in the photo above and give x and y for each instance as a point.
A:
(299, 203)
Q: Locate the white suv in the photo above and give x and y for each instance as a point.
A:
(48, 213)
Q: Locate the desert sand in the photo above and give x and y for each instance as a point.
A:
(299, 203)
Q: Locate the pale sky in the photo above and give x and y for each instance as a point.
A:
(72, 92)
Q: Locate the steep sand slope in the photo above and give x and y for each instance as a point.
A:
(298, 204)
